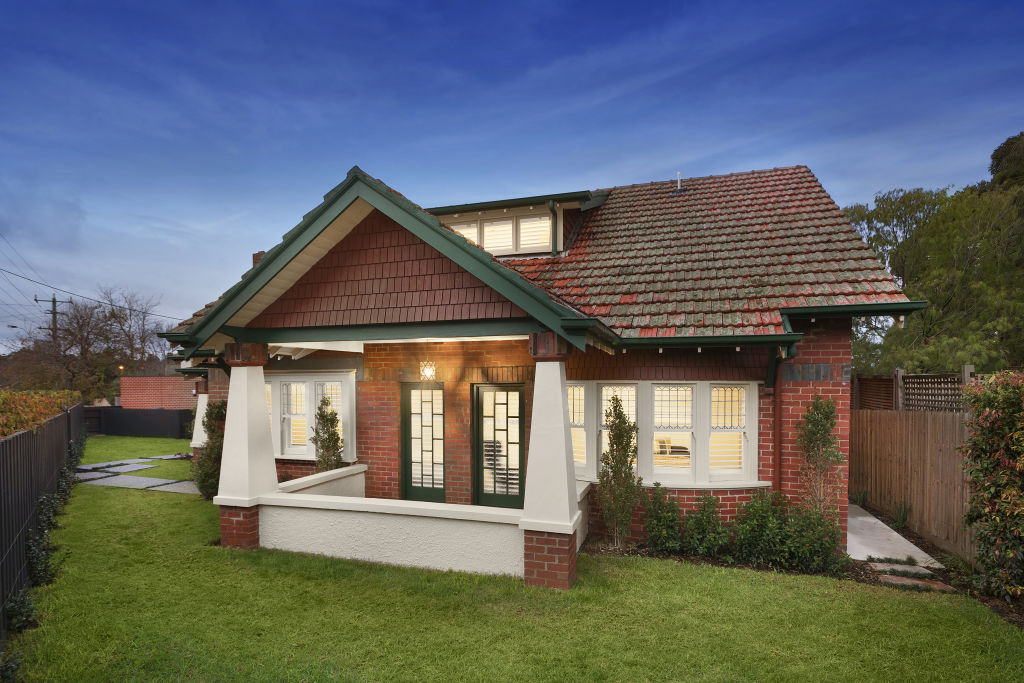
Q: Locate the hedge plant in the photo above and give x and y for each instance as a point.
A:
(994, 463)
(206, 467)
(21, 410)
(662, 521)
(619, 489)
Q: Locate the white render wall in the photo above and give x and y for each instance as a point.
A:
(484, 541)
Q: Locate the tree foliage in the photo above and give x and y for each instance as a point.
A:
(619, 487)
(325, 437)
(206, 467)
(961, 251)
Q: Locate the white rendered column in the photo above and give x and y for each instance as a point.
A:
(247, 468)
(198, 433)
(550, 503)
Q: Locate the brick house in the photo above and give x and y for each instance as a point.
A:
(471, 350)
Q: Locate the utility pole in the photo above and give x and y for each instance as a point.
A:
(53, 318)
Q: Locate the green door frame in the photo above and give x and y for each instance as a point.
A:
(493, 499)
(410, 492)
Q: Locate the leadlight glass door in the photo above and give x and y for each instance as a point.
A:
(423, 442)
(498, 436)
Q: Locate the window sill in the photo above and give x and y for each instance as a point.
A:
(709, 486)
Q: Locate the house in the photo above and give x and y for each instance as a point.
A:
(471, 350)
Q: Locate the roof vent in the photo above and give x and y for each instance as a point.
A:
(679, 184)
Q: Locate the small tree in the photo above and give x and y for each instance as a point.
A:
(619, 485)
(206, 468)
(325, 437)
(817, 440)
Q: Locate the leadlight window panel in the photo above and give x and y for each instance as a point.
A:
(471, 231)
(534, 233)
(577, 414)
(293, 407)
(426, 431)
(502, 450)
(332, 390)
(672, 440)
(728, 407)
(499, 235)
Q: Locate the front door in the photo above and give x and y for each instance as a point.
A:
(423, 442)
(498, 434)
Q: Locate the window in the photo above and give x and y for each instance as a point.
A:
(689, 434)
(292, 402)
(508, 235)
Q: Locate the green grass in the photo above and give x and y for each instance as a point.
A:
(167, 469)
(144, 595)
(111, 448)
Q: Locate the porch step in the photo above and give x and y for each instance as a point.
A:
(919, 584)
(892, 568)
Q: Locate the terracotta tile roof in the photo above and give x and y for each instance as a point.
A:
(720, 258)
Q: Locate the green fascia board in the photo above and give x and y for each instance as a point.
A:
(192, 371)
(855, 310)
(358, 185)
(720, 340)
(468, 328)
(580, 196)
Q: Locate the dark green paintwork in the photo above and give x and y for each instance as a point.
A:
(458, 328)
(410, 492)
(579, 196)
(855, 310)
(492, 499)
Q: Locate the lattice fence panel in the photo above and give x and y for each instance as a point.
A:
(932, 392)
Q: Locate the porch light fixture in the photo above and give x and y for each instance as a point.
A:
(427, 370)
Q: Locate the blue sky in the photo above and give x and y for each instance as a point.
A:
(154, 146)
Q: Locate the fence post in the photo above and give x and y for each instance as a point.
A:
(897, 389)
(966, 374)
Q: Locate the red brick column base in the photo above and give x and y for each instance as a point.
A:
(549, 559)
(240, 527)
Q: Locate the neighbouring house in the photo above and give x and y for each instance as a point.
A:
(471, 351)
(157, 392)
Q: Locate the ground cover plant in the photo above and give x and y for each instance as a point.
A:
(144, 594)
(112, 448)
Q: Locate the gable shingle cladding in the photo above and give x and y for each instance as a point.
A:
(381, 273)
(720, 258)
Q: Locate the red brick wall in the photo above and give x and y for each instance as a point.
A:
(218, 385)
(170, 393)
(458, 365)
(293, 469)
(382, 273)
(549, 559)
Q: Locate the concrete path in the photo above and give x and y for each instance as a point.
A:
(868, 536)
(111, 474)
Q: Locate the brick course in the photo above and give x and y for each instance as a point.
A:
(240, 527)
(168, 393)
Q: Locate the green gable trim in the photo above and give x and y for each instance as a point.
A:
(720, 340)
(856, 310)
(581, 196)
(357, 185)
(192, 371)
(466, 328)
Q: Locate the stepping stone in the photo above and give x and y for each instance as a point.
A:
(888, 568)
(129, 482)
(129, 468)
(108, 465)
(86, 476)
(178, 487)
(174, 456)
(907, 582)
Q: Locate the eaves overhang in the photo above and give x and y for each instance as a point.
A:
(579, 196)
(855, 310)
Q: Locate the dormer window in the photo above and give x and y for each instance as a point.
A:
(529, 234)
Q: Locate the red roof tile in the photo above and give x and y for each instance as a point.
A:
(720, 258)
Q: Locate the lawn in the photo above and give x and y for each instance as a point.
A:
(167, 469)
(111, 448)
(144, 594)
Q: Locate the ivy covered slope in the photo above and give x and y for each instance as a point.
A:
(28, 409)
(994, 462)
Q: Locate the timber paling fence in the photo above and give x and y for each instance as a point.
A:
(30, 464)
(911, 456)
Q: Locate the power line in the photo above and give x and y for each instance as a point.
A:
(18, 289)
(89, 298)
(24, 260)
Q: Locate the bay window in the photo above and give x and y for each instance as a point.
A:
(292, 402)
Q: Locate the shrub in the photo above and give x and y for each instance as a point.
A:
(206, 467)
(21, 611)
(703, 531)
(28, 409)
(39, 558)
(325, 437)
(76, 449)
(65, 482)
(47, 509)
(619, 488)
(861, 499)
(760, 530)
(813, 542)
(9, 665)
(662, 521)
(817, 440)
(994, 463)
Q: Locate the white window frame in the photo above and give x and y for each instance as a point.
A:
(699, 474)
(347, 413)
(515, 218)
